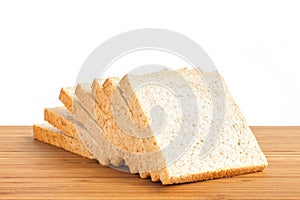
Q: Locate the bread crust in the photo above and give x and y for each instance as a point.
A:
(211, 175)
(66, 97)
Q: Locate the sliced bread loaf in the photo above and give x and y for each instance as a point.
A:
(173, 126)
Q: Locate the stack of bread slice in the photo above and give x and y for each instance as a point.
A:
(171, 126)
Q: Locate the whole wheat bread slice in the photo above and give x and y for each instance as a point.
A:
(236, 151)
(63, 120)
(118, 116)
(48, 134)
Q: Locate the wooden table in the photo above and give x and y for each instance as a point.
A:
(30, 169)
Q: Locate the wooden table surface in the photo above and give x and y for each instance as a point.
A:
(30, 169)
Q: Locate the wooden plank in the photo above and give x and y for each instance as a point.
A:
(33, 170)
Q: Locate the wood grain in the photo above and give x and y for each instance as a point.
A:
(30, 169)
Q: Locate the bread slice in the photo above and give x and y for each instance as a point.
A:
(144, 152)
(133, 146)
(48, 134)
(61, 119)
(66, 97)
(236, 150)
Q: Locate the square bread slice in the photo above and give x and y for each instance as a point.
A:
(205, 136)
(119, 116)
(48, 134)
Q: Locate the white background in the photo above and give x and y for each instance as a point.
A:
(254, 44)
